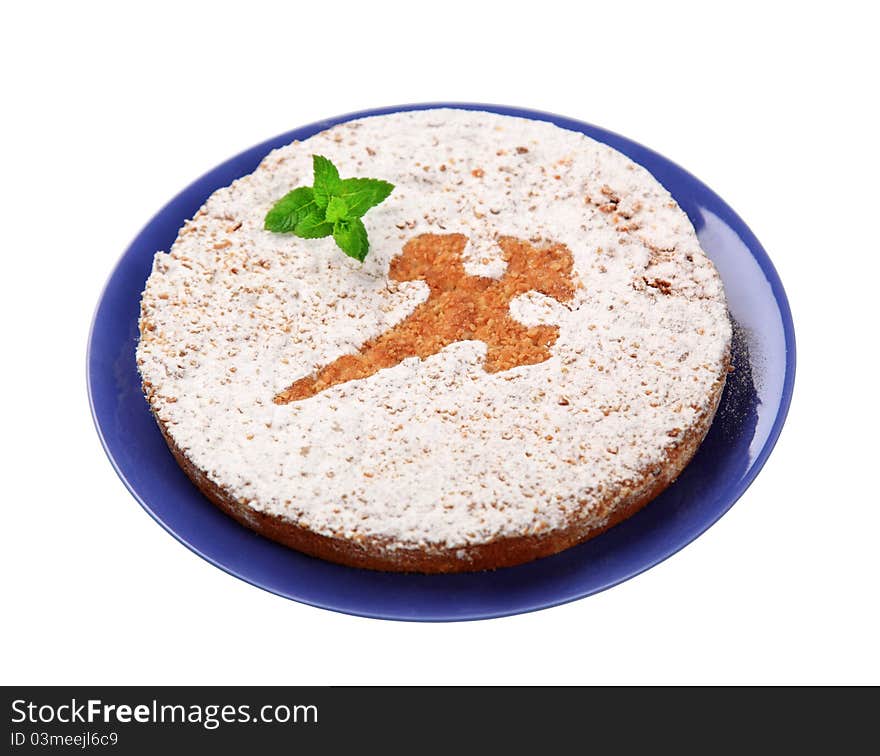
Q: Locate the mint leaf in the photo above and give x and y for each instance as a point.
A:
(313, 226)
(351, 237)
(337, 209)
(326, 180)
(360, 194)
(332, 206)
(290, 210)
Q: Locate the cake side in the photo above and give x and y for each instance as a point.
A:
(379, 554)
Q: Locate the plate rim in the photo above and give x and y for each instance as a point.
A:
(750, 241)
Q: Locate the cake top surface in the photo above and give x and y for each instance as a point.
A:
(473, 436)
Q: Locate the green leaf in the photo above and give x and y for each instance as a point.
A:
(337, 209)
(290, 210)
(351, 237)
(360, 194)
(326, 180)
(313, 226)
(332, 206)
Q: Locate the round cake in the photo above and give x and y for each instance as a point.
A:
(532, 350)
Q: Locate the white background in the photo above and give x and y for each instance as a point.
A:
(109, 110)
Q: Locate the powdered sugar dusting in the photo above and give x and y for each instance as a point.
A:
(436, 451)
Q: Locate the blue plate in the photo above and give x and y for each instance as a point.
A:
(752, 411)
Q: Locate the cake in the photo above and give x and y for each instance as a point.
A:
(533, 349)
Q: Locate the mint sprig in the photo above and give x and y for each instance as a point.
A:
(331, 206)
